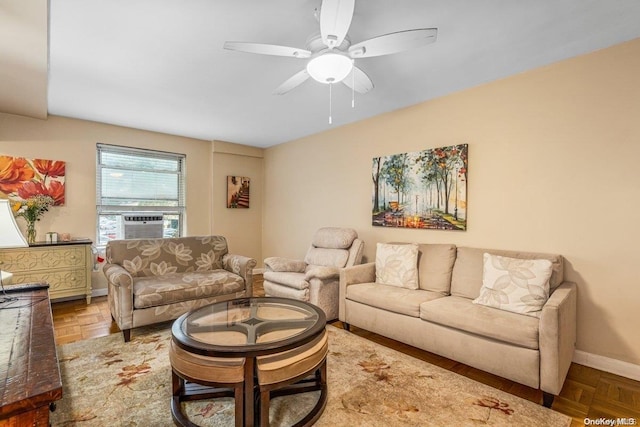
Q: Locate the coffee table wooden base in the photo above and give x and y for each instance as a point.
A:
(192, 390)
(280, 343)
(188, 391)
(318, 381)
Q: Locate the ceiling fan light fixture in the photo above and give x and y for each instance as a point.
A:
(330, 67)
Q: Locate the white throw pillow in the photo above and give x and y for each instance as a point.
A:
(516, 285)
(397, 265)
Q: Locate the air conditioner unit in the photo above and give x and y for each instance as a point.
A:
(142, 225)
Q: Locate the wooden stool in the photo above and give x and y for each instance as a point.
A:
(287, 373)
(222, 377)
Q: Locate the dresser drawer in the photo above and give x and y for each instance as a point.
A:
(66, 267)
(59, 281)
(43, 258)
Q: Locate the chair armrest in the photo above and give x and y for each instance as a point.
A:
(242, 266)
(322, 273)
(118, 276)
(557, 337)
(361, 273)
(284, 264)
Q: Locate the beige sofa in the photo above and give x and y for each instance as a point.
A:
(155, 280)
(440, 316)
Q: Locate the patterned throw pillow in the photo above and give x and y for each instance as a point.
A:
(397, 265)
(516, 285)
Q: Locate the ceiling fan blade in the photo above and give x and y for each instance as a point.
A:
(268, 49)
(335, 19)
(292, 82)
(358, 81)
(393, 43)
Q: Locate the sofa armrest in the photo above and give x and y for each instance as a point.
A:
(361, 273)
(322, 273)
(284, 264)
(120, 293)
(118, 276)
(242, 266)
(557, 337)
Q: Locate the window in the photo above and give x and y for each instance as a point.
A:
(136, 180)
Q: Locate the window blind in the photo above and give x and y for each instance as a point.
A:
(135, 180)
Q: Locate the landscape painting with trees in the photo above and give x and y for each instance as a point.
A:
(424, 189)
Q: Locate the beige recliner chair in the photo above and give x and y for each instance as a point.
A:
(316, 279)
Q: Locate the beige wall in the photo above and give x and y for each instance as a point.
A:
(241, 227)
(74, 141)
(24, 50)
(553, 167)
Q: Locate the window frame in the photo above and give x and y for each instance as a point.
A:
(103, 208)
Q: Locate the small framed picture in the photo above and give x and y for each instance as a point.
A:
(238, 192)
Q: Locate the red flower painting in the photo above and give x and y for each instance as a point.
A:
(22, 178)
(13, 172)
(32, 188)
(49, 168)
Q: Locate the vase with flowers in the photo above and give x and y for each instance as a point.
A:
(31, 210)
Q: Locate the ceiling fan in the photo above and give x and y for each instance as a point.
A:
(330, 55)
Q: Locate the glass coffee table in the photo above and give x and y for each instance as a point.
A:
(248, 328)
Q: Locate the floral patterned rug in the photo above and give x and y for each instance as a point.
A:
(111, 383)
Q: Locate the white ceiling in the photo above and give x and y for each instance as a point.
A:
(159, 64)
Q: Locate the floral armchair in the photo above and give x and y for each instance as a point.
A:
(316, 279)
(155, 280)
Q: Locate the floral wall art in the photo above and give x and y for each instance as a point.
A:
(424, 189)
(21, 178)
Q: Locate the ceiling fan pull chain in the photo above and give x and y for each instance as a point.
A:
(353, 88)
(330, 121)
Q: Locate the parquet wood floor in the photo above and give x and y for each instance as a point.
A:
(587, 393)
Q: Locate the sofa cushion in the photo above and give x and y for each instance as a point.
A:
(154, 257)
(334, 238)
(435, 263)
(177, 287)
(466, 278)
(291, 279)
(516, 285)
(397, 265)
(460, 313)
(327, 257)
(390, 298)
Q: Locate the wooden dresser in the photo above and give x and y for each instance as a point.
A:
(66, 266)
(29, 372)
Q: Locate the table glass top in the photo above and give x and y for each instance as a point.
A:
(249, 321)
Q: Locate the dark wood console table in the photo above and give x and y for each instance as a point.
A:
(29, 373)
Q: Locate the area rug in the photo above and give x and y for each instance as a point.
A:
(111, 383)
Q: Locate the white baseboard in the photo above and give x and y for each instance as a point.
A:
(614, 366)
(99, 292)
